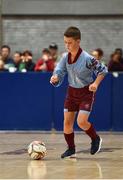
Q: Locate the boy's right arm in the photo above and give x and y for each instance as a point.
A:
(59, 73)
(54, 79)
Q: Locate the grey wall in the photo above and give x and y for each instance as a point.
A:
(35, 34)
(33, 24)
(62, 7)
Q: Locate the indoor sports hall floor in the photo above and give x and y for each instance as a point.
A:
(16, 164)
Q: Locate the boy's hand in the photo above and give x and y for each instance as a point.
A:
(93, 87)
(54, 79)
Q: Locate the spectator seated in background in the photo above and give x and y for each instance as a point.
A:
(5, 53)
(115, 63)
(2, 69)
(2, 64)
(17, 60)
(1, 57)
(120, 52)
(53, 48)
(46, 63)
(98, 54)
(27, 63)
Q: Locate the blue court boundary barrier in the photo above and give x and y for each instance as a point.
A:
(29, 102)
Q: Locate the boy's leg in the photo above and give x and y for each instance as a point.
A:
(84, 124)
(69, 134)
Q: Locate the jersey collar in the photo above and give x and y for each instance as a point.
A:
(76, 57)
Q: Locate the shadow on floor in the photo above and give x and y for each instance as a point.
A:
(24, 150)
(102, 150)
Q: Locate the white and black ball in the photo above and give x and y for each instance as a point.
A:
(37, 150)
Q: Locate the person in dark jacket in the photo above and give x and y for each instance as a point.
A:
(17, 60)
(27, 62)
(115, 63)
(5, 53)
(120, 52)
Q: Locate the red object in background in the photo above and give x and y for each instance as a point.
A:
(49, 64)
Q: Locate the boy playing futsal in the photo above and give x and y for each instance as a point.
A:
(79, 66)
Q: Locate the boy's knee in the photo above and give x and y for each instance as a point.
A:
(82, 124)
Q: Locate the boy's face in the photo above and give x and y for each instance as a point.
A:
(71, 44)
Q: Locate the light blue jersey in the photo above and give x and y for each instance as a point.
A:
(80, 73)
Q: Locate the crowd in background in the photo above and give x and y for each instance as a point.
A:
(24, 62)
(115, 62)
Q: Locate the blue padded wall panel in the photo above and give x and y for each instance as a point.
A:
(117, 103)
(26, 101)
(59, 97)
(101, 113)
(29, 102)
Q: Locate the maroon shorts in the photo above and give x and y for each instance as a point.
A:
(79, 99)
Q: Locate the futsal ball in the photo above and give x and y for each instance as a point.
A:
(37, 150)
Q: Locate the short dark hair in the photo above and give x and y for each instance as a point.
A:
(119, 50)
(46, 51)
(73, 32)
(27, 52)
(100, 51)
(53, 46)
(7, 47)
(18, 52)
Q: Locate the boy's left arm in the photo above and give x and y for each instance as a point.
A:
(100, 70)
(94, 86)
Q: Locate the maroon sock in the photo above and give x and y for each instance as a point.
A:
(91, 132)
(70, 140)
